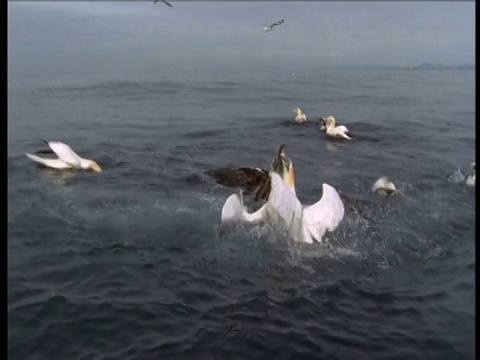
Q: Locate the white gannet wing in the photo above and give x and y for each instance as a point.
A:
(326, 214)
(65, 153)
(233, 211)
(342, 128)
(283, 205)
(52, 163)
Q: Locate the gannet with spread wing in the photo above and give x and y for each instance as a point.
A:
(276, 187)
(66, 158)
(270, 27)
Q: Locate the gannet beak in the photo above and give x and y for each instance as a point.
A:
(323, 123)
(278, 163)
(283, 166)
(95, 167)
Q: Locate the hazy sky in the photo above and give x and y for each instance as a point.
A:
(104, 35)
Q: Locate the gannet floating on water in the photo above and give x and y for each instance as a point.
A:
(470, 180)
(301, 117)
(277, 188)
(270, 27)
(66, 158)
(385, 187)
(329, 124)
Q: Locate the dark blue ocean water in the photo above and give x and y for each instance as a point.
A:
(129, 263)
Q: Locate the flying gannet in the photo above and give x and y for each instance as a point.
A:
(270, 27)
(66, 158)
(329, 124)
(164, 1)
(301, 117)
(276, 187)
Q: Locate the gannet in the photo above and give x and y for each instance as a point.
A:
(459, 177)
(164, 1)
(470, 180)
(66, 158)
(329, 124)
(301, 117)
(384, 187)
(277, 188)
(270, 27)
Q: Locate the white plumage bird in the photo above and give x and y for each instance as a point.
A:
(66, 158)
(277, 188)
(470, 179)
(459, 177)
(329, 124)
(301, 116)
(383, 186)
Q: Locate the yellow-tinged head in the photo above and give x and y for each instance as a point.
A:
(331, 121)
(282, 165)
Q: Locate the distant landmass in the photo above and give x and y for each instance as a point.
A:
(430, 66)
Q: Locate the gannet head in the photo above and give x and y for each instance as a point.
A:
(282, 165)
(323, 124)
(471, 176)
(384, 186)
(330, 121)
(91, 165)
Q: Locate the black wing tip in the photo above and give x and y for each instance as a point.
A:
(45, 141)
(45, 151)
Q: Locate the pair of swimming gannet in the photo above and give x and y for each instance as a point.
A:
(328, 124)
(276, 188)
(65, 158)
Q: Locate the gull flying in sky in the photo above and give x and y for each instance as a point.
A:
(165, 1)
(270, 27)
